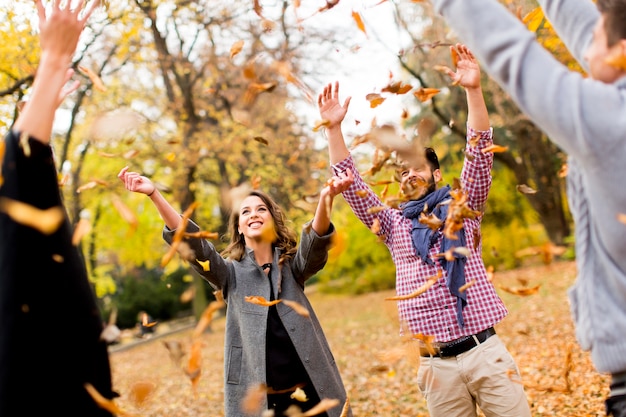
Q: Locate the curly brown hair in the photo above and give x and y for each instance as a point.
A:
(286, 240)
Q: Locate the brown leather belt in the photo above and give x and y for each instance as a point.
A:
(456, 347)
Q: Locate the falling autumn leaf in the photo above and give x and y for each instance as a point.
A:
(105, 403)
(83, 227)
(95, 79)
(253, 400)
(464, 287)
(179, 234)
(397, 88)
(621, 217)
(299, 395)
(425, 94)
(297, 307)
(324, 405)
(202, 235)
(206, 265)
(175, 351)
(207, 315)
(140, 392)
(320, 124)
(494, 148)
(525, 189)
(46, 221)
(421, 290)
(523, 291)
(194, 364)
(236, 48)
(127, 214)
(375, 99)
(359, 21)
(261, 301)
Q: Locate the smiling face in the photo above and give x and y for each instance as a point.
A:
(255, 220)
(417, 183)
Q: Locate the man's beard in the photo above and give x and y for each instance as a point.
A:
(420, 191)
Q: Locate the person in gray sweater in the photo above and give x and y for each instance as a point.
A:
(585, 117)
(268, 343)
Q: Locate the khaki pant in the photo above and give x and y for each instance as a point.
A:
(486, 376)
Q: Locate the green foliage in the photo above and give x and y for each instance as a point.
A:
(359, 262)
(148, 290)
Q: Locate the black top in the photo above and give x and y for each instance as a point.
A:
(50, 325)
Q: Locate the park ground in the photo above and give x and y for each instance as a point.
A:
(362, 330)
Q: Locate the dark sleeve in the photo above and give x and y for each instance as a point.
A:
(50, 324)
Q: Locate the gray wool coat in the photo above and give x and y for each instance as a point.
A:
(246, 323)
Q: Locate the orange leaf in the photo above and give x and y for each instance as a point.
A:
(82, 228)
(320, 124)
(523, 291)
(103, 402)
(95, 80)
(495, 149)
(236, 48)
(179, 234)
(261, 301)
(425, 94)
(375, 99)
(621, 217)
(397, 88)
(140, 392)
(46, 221)
(194, 365)
(297, 307)
(359, 21)
(421, 290)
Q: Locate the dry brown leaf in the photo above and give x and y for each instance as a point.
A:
(140, 392)
(254, 399)
(46, 221)
(359, 21)
(95, 79)
(261, 301)
(175, 350)
(127, 214)
(427, 340)
(421, 290)
(194, 365)
(521, 291)
(375, 228)
(202, 235)
(324, 405)
(375, 99)
(83, 227)
(397, 88)
(297, 307)
(207, 316)
(377, 209)
(361, 193)
(236, 48)
(425, 94)
(494, 149)
(525, 189)
(320, 124)
(105, 403)
(464, 287)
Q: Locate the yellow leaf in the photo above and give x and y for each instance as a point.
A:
(206, 265)
(534, 19)
(375, 99)
(46, 221)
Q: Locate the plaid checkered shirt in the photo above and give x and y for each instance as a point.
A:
(433, 312)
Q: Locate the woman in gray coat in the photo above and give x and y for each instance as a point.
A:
(276, 347)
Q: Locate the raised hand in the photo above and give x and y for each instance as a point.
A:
(135, 182)
(467, 73)
(339, 183)
(330, 108)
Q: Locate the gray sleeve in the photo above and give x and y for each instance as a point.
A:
(312, 253)
(580, 115)
(203, 257)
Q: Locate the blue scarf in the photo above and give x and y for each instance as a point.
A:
(423, 239)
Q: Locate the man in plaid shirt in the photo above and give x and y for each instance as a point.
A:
(457, 304)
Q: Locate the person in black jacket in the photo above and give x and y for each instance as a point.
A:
(50, 326)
